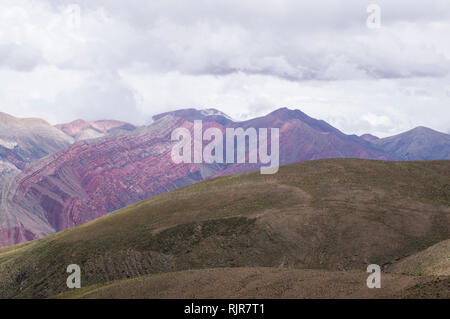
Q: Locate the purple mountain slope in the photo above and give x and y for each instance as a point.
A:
(420, 143)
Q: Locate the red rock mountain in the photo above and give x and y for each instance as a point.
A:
(97, 176)
(92, 178)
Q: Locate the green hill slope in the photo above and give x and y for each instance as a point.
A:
(337, 214)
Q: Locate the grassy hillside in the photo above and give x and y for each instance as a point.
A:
(337, 214)
(257, 283)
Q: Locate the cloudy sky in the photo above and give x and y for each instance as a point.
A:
(127, 60)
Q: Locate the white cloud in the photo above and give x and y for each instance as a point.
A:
(19, 57)
(377, 120)
(130, 60)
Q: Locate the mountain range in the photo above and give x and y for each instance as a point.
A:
(55, 178)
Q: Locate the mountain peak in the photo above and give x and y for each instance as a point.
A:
(4, 116)
(285, 113)
(420, 143)
(7, 119)
(192, 114)
(81, 129)
(423, 130)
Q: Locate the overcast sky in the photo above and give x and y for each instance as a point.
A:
(127, 60)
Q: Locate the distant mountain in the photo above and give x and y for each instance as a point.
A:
(301, 137)
(420, 143)
(304, 138)
(333, 217)
(25, 140)
(83, 130)
(207, 115)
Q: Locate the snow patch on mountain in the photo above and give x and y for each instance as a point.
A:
(213, 112)
(8, 144)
